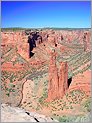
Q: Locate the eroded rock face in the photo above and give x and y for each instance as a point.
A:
(53, 77)
(12, 92)
(86, 41)
(57, 80)
(17, 64)
(63, 77)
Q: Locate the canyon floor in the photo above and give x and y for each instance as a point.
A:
(27, 71)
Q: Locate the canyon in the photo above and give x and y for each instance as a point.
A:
(46, 71)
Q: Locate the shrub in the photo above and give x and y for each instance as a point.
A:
(87, 105)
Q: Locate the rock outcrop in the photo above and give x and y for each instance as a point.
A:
(15, 114)
(53, 77)
(58, 84)
(86, 41)
(63, 78)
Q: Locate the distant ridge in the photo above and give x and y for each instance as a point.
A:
(54, 28)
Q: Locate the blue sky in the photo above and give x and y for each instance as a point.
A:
(28, 14)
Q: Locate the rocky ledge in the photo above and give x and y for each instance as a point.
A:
(16, 114)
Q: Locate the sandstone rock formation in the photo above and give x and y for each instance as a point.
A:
(52, 39)
(58, 81)
(53, 77)
(85, 41)
(16, 65)
(63, 79)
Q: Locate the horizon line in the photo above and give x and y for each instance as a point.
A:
(43, 27)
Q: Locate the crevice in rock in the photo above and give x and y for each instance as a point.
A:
(51, 118)
(36, 119)
(69, 81)
(55, 45)
(27, 113)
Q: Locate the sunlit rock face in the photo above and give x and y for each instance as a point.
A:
(57, 78)
(53, 77)
(63, 79)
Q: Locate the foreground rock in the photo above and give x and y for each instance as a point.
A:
(15, 114)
